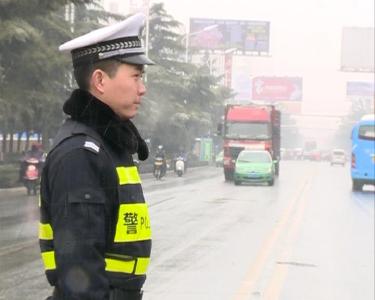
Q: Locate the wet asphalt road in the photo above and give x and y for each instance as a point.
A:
(307, 237)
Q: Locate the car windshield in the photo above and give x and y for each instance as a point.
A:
(255, 131)
(254, 157)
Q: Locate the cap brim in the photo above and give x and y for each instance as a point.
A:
(137, 59)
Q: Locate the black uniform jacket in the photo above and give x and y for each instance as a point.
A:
(79, 197)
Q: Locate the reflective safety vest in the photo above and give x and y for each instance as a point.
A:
(128, 254)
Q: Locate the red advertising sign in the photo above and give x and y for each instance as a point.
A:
(277, 88)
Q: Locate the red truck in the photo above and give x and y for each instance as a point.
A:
(250, 126)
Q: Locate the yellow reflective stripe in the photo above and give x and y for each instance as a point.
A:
(49, 260)
(120, 266)
(128, 175)
(142, 265)
(114, 265)
(45, 231)
(133, 223)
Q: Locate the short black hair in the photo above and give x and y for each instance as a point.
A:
(83, 72)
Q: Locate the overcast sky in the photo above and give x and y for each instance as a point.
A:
(309, 13)
(305, 37)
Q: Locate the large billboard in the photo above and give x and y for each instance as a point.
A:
(360, 89)
(277, 88)
(216, 34)
(357, 49)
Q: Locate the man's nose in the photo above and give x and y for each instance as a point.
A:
(142, 88)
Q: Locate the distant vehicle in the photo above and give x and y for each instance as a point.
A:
(180, 166)
(315, 155)
(31, 175)
(298, 153)
(159, 167)
(310, 151)
(254, 166)
(219, 159)
(363, 153)
(338, 157)
(326, 155)
(249, 127)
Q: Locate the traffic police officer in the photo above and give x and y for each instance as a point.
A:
(94, 231)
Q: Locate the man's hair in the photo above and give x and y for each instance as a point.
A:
(82, 74)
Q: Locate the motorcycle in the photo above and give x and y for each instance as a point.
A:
(158, 168)
(31, 175)
(180, 166)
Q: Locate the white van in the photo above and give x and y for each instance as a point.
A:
(338, 157)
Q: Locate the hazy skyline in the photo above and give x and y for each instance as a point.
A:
(305, 36)
(305, 41)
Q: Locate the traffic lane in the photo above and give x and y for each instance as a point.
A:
(149, 182)
(12, 203)
(335, 245)
(225, 242)
(279, 238)
(18, 217)
(255, 260)
(205, 239)
(21, 270)
(22, 275)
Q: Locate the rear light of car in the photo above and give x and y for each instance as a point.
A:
(353, 160)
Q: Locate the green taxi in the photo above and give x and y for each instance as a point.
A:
(254, 166)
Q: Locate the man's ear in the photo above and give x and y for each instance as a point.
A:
(98, 78)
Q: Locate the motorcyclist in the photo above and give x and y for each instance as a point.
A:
(181, 153)
(160, 152)
(31, 165)
(35, 152)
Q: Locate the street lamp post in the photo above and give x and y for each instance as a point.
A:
(228, 63)
(147, 8)
(144, 7)
(188, 35)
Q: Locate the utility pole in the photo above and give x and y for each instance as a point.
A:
(147, 9)
(70, 18)
(70, 15)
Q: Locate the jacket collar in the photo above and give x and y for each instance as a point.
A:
(85, 108)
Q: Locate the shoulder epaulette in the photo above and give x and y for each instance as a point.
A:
(91, 146)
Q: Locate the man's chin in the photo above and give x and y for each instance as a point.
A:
(128, 116)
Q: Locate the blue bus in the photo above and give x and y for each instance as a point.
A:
(363, 152)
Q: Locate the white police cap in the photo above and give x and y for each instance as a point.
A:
(121, 41)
